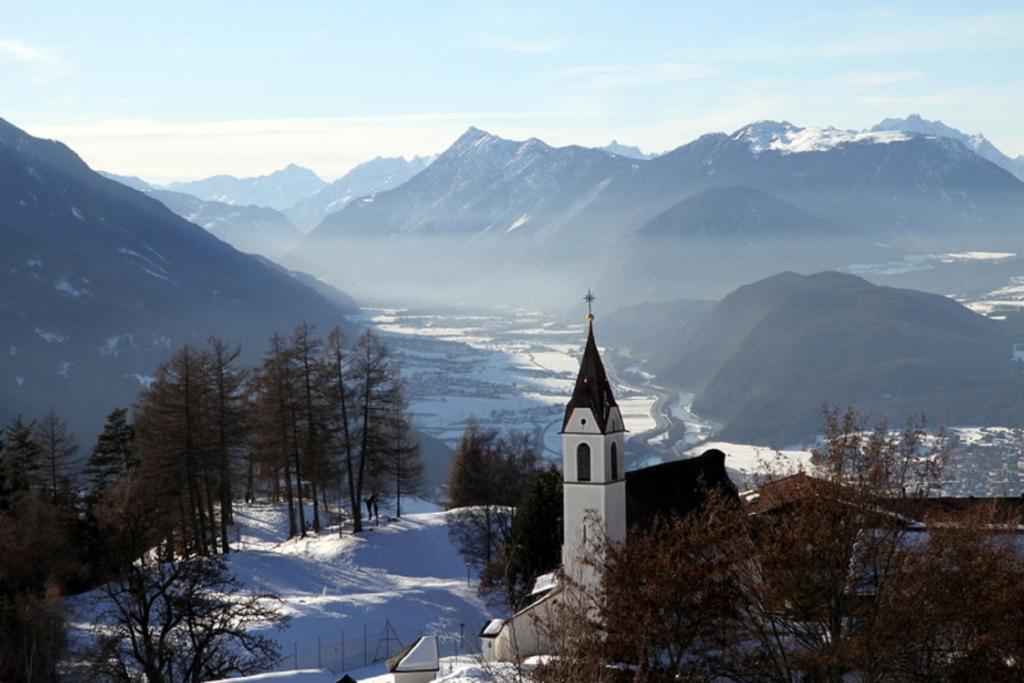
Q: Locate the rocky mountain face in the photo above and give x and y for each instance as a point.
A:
(977, 142)
(484, 185)
(252, 229)
(365, 180)
(278, 190)
(100, 282)
(767, 357)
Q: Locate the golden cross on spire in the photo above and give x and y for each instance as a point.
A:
(589, 298)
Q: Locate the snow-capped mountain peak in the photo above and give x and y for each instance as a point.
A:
(786, 138)
(977, 142)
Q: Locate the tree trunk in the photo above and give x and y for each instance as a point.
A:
(298, 475)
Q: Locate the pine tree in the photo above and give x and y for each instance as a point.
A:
(470, 476)
(405, 465)
(535, 546)
(227, 420)
(57, 451)
(21, 460)
(305, 351)
(113, 455)
(271, 413)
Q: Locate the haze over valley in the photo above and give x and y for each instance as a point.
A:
(411, 343)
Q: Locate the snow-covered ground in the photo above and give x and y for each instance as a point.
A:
(753, 461)
(353, 601)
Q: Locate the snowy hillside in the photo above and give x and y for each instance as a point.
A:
(354, 600)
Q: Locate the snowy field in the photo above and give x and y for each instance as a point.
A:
(752, 462)
(353, 601)
(511, 370)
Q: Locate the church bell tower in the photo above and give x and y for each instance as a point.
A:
(593, 463)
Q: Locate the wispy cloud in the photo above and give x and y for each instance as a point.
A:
(44, 65)
(877, 78)
(505, 44)
(619, 76)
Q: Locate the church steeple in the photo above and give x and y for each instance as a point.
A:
(593, 463)
(592, 390)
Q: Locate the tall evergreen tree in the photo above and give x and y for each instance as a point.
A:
(227, 421)
(535, 545)
(21, 460)
(57, 449)
(113, 455)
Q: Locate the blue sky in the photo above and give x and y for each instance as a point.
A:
(187, 89)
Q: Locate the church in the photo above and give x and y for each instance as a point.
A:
(601, 497)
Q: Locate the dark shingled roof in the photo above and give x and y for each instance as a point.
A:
(677, 488)
(592, 387)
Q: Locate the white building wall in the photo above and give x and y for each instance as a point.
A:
(600, 500)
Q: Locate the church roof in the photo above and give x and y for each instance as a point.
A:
(676, 488)
(593, 390)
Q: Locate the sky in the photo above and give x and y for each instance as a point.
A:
(183, 90)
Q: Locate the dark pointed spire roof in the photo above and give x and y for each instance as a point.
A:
(592, 387)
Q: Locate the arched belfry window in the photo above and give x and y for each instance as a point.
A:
(615, 461)
(583, 462)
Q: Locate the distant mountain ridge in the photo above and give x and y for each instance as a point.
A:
(631, 151)
(365, 180)
(977, 142)
(277, 190)
(252, 229)
(99, 282)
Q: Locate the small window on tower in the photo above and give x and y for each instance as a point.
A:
(615, 462)
(583, 462)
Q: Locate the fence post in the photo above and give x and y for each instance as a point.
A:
(295, 655)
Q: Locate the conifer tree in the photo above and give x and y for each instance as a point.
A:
(21, 460)
(405, 464)
(57, 449)
(227, 421)
(535, 544)
(113, 455)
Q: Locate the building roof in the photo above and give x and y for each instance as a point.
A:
(676, 488)
(419, 655)
(915, 511)
(592, 390)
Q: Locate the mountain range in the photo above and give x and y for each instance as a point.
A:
(542, 216)
(278, 190)
(100, 282)
(766, 358)
(365, 180)
(978, 143)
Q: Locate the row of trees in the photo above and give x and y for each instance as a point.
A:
(317, 422)
(146, 513)
(827, 583)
